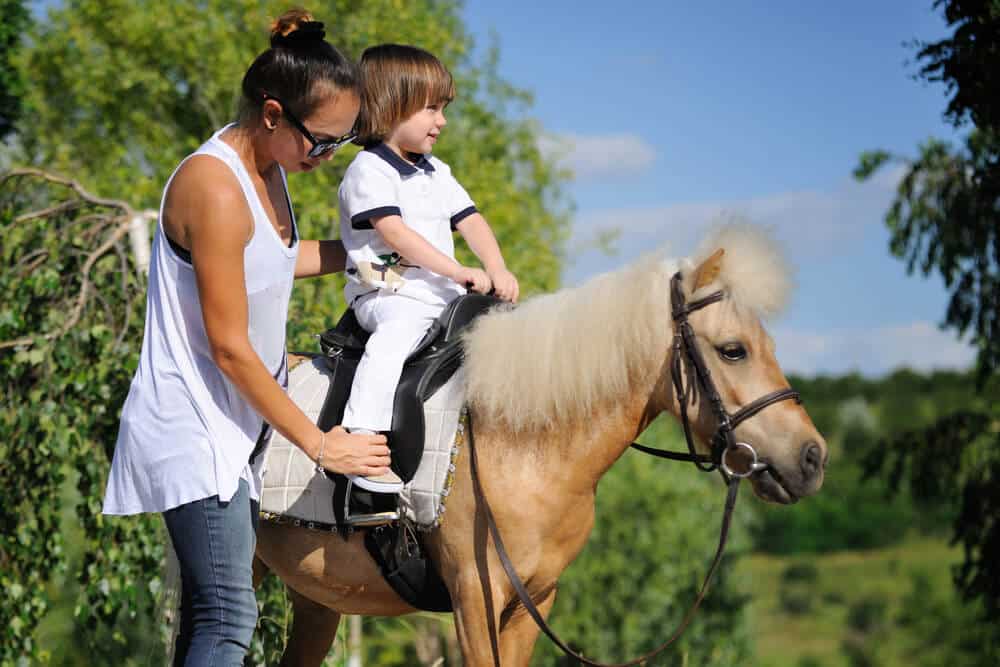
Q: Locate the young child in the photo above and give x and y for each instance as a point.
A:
(398, 208)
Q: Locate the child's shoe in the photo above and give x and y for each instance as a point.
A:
(387, 483)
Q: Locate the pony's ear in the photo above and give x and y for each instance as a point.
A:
(709, 270)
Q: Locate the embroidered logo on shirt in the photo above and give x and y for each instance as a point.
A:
(389, 274)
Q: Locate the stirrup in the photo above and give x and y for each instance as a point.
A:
(384, 507)
(375, 519)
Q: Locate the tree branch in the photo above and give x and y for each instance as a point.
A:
(119, 223)
(81, 192)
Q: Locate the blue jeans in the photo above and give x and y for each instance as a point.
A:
(215, 542)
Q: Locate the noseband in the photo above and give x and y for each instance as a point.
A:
(723, 446)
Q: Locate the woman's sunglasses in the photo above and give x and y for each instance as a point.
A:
(319, 148)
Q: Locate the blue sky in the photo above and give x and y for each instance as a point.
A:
(673, 113)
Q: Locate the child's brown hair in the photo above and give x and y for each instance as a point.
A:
(398, 81)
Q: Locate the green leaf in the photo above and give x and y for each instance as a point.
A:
(869, 163)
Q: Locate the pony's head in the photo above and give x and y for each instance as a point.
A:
(564, 362)
(745, 265)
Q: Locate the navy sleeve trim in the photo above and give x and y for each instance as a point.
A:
(462, 215)
(363, 220)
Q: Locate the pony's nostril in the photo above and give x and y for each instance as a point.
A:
(812, 459)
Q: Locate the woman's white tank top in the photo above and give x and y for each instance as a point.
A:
(186, 432)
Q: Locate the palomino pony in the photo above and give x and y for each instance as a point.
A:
(558, 389)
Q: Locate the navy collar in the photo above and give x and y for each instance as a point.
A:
(399, 164)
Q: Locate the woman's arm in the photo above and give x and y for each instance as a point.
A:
(318, 258)
(217, 236)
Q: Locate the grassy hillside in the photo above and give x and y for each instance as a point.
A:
(843, 609)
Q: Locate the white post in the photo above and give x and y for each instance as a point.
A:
(138, 234)
(354, 642)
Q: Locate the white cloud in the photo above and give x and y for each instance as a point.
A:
(593, 156)
(813, 223)
(827, 233)
(921, 346)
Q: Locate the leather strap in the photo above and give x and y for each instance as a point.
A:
(673, 456)
(749, 410)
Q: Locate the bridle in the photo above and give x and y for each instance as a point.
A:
(724, 442)
(723, 446)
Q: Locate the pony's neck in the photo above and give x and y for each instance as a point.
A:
(564, 360)
(620, 424)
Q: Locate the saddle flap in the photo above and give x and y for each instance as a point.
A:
(433, 362)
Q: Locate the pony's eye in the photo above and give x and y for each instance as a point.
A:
(732, 352)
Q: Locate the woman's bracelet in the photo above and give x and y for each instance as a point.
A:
(319, 458)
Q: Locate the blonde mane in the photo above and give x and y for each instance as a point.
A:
(558, 357)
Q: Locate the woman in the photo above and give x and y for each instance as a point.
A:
(212, 373)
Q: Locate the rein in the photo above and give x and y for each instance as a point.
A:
(723, 444)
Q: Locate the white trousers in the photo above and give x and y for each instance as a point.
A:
(397, 323)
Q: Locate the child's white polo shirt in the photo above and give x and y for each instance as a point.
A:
(428, 198)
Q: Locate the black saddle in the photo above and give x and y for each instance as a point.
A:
(396, 549)
(435, 360)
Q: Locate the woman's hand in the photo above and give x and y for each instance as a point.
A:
(505, 284)
(476, 280)
(354, 453)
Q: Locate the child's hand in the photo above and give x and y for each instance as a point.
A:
(475, 279)
(505, 285)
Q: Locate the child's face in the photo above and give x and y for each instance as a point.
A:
(419, 132)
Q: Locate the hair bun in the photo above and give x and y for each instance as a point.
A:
(304, 34)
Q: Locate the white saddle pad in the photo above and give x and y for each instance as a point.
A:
(294, 490)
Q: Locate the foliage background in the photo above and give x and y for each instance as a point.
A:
(860, 575)
(134, 87)
(15, 20)
(945, 220)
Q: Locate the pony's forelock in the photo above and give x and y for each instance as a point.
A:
(755, 272)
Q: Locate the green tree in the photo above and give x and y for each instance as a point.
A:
(13, 21)
(70, 327)
(945, 219)
(124, 90)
